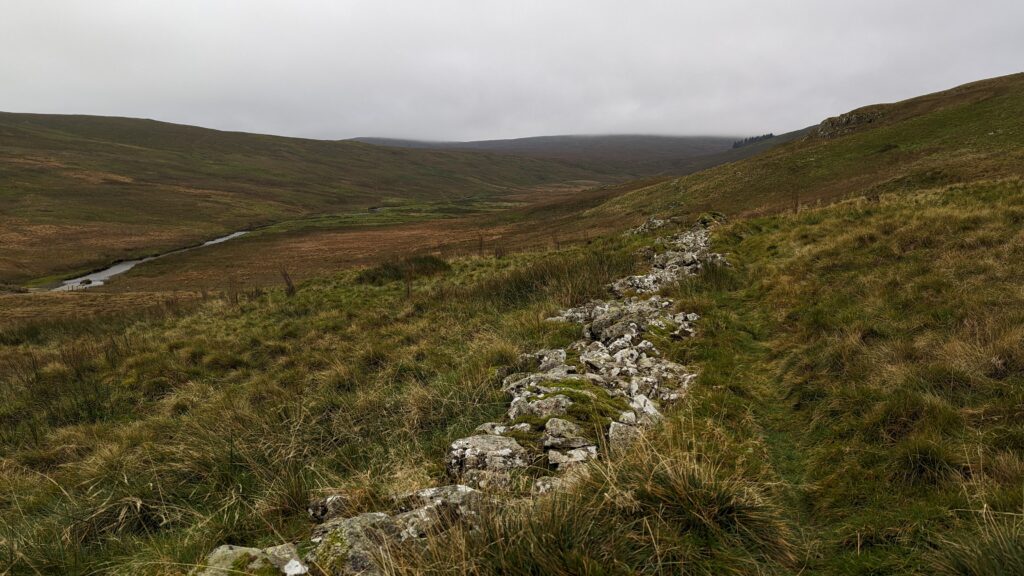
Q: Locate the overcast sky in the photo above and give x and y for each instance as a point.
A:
(481, 69)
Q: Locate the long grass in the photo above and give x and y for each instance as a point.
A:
(884, 379)
(676, 504)
(137, 447)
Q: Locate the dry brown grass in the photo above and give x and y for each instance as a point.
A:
(55, 308)
(550, 218)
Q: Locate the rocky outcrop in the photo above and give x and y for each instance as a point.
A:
(621, 435)
(563, 434)
(564, 408)
(848, 123)
(607, 386)
(328, 507)
(435, 509)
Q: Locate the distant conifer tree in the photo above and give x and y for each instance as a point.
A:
(751, 140)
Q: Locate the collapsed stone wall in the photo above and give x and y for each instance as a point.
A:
(568, 404)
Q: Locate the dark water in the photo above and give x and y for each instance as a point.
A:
(100, 278)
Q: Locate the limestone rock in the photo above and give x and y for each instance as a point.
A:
(492, 455)
(516, 384)
(686, 254)
(560, 433)
(596, 356)
(570, 458)
(621, 436)
(328, 507)
(556, 405)
(546, 484)
(645, 283)
(845, 123)
(547, 360)
(645, 409)
(230, 560)
(460, 496)
(561, 428)
(650, 225)
(492, 428)
(347, 546)
(435, 509)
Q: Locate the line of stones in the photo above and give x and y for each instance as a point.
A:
(603, 388)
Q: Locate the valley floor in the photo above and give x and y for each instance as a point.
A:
(313, 247)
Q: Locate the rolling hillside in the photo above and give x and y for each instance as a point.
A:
(92, 190)
(619, 148)
(971, 132)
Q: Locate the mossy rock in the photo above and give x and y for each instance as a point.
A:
(348, 545)
(592, 406)
(228, 560)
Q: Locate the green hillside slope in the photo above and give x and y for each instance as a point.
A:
(970, 132)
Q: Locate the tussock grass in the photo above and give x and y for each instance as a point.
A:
(995, 546)
(137, 447)
(678, 503)
(883, 375)
(565, 280)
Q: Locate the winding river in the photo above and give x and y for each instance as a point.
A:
(100, 278)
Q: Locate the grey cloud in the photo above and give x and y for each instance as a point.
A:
(449, 69)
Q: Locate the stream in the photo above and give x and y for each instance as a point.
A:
(100, 278)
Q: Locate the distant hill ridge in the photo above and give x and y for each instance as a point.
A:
(633, 154)
(576, 145)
